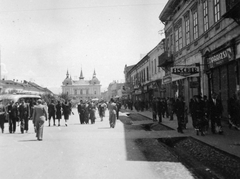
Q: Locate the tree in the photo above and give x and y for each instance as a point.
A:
(48, 97)
(64, 96)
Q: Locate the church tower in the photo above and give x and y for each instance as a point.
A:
(81, 75)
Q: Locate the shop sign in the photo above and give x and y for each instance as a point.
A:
(220, 58)
(185, 70)
(138, 92)
(167, 79)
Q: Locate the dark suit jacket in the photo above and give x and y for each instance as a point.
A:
(215, 109)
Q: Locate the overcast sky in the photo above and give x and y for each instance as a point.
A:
(41, 39)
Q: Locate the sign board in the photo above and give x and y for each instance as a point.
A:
(138, 92)
(220, 58)
(167, 79)
(185, 70)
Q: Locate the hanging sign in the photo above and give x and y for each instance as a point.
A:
(185, 70)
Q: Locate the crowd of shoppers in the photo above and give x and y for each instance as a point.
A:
(205, 113)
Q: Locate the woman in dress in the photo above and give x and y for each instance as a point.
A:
(59, 112)
(112, 107)
(66, 112)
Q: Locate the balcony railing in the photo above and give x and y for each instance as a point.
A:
(165, 59)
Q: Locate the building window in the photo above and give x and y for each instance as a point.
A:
(195, 25)
(81, 91)
(147, 74)
(152, 66)
(75, 92)
(171, 42)
(95, 92)
(178, 38)
(216, 10)
(144, 74)
(205, 15)
(187, 26)
(155, 66)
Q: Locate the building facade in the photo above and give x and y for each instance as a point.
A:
(144, 80)
(202, 36)
(24, 87)
(82, 89)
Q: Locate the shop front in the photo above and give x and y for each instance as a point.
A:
(222, 72)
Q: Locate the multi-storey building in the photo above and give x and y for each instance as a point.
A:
(203, 37)
(144, 78)
(82, 89)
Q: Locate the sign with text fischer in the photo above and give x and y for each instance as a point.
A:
(185, 70)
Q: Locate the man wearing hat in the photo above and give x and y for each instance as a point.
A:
(2, 115)
(39, 117)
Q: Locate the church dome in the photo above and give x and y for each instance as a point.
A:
(67, 81)
(94, 81)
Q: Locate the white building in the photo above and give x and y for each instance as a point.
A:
(82, 89)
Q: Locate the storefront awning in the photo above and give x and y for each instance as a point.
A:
(171, 78)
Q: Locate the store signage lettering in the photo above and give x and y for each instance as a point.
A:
(185, 70)
(220, 58)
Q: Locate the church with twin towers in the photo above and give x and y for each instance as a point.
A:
(82, 89)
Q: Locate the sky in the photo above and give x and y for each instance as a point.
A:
(41, 39)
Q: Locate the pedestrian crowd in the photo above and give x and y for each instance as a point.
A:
(19, 114)
(205, 113)
(87, 111)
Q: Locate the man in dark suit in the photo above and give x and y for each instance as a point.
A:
(159, 110)
(215, 111)
(3, 113)
(24, 114)
(179, 108)
(81, 110)
(51, 112)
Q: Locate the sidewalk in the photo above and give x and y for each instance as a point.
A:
(228, 142)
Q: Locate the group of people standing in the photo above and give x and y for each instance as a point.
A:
(87, 111)
(35, 110)
(202, 110)
(16, 112)
(56, 111)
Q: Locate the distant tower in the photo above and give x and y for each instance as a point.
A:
(81, 75)
(67, 74)
(94, 74)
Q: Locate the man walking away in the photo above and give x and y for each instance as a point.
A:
(3, 113)
(159, 110)
(24, 114)
(215, 111)
(39, 117)
(179, 108)
(51, 112)
(12, 119)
